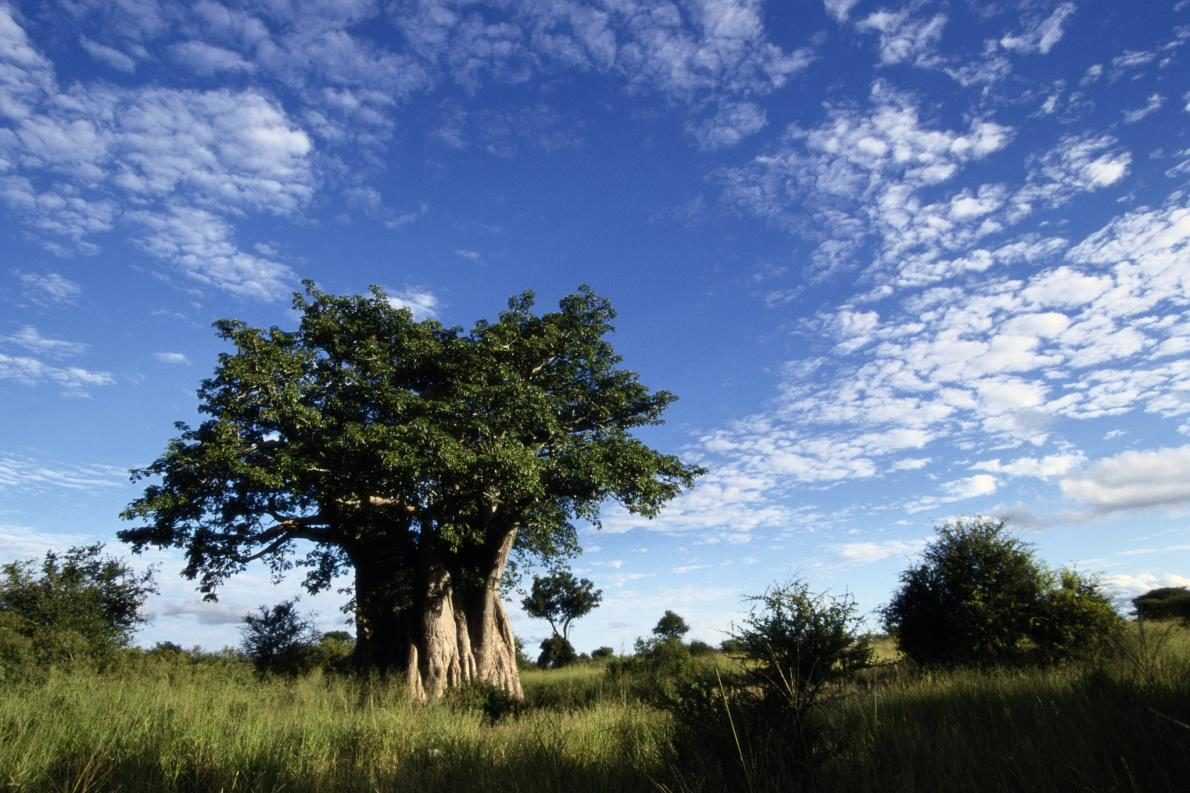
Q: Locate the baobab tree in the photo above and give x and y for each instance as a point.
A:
(416, 456)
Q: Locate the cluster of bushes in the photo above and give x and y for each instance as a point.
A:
(979, 597)
(81, 608)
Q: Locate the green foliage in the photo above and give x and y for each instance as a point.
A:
(406, 452)
(364, 427)
(77, 606)
(1075, 617)
(731, 645)
(279, 639)
(670, 626)
(603, 652)
(556, 652)
(981, 597)
(560, 599)
(1165, 603)
(699, 647)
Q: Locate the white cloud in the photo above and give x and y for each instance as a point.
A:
(421, 302)
(30, 339)
(732, 122)
(108, 55)
(904, 37)
(911, 464)
(1152, 105)
(25, 473)
(172, 358)
(1078, 164)
(858, 176)
(869, 552)
(956, 490)
(1039, 467)
(1133, 480)
(50, 288)
(199, 243)
(31, 371)
(207, 59)
(1041, 35)
(1130, 585)
(839, 10)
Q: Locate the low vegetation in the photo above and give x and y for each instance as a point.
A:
(797, 699)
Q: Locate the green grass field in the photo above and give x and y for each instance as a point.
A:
(1119, 725)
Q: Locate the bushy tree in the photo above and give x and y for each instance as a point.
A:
(670, 627)
(415, 456)
(78, 604)
(560, 599)
(1164, 603)
(981, 597)
(279, 639)
(556, 652)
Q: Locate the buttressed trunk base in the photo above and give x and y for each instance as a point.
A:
(450, 636)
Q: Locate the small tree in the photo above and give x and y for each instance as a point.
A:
(77, 604)
(279, 639)
(671, 627)
(1164, 603)
(560, 599)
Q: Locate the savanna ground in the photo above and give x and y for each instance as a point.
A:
(156, 723)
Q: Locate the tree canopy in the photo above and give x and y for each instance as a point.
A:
(671, 627)
(560, 599)
(417, 455)
(1171, 602)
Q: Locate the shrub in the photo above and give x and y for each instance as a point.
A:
(670, 626)
(1075, 618)
(556, 652)
(799, 642)
(279, 639)
(603, 652)
(757, 729)
(77, 606)
(699, 647)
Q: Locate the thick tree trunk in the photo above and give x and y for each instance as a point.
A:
(442, 631)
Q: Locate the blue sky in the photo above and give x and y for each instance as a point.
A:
(900, 263)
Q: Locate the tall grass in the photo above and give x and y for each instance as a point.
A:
(88, 732)
(1121, 724)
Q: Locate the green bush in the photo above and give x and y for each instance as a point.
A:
(1075, 618)
(280, 640)
(556, 652)
(757, 729)
(78, 607)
